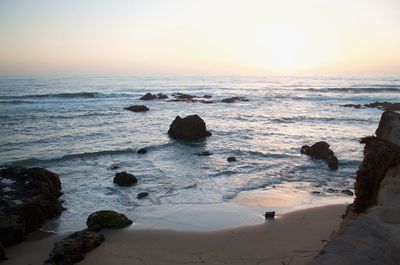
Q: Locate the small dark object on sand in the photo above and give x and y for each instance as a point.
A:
(142, 195)
(231, 159)
(269, 215)
(142, 151)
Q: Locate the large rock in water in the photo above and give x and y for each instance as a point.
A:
(125, 179)
(370, 232)
(189, 128)
(107, 219)
(28, 197)
(389, 127)
(73, 248)
(137, 108)
(320, 150)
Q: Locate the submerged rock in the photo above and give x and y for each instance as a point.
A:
(161, 96)
(125, 179)
(73, 248)
(234, 99)
(142, 151)
(231, 159)
(204, 153)
(28, 197)
(321, 151)
(189, 128)
(107, 219)
(148, 96)
(114, 167)
(142, 195)
(387, 106)
(137, 108)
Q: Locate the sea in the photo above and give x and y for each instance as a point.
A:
(76, 126)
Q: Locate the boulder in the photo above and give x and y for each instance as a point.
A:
(207, 96)
(114, 167)
(137, 108)
(183, 97)
(28, 197)
(73, 248)
(142, 151)
(161, 96)
(321, 151)
(234, 99)
(148, 96)
(107, 219)
(389, 127)
(387, 106)
(348, 192)
(142, 195)
(269, 215)
(125, 179)
(231, 159)
(189, 128)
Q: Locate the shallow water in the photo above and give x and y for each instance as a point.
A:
(77, 127)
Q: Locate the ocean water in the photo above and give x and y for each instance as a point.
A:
(77, 127)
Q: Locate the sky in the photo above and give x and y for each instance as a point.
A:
(249, 37)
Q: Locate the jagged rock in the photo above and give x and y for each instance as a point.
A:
(189, 128)
(125, 179)
(73, 248)
(137, 108)
(142, 195)
(389, 127)
(234, 99)
(28, 197)
(142, 151)
(107, 219)
(231, 159)
(2, 253)
(204, 153)
(321, 151)
(148, 96)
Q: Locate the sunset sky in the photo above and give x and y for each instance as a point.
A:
(200, 37)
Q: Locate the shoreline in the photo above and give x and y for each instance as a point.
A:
(290, 234)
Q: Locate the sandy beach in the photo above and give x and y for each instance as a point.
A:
(294, 238)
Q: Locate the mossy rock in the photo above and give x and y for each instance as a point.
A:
(107, 219)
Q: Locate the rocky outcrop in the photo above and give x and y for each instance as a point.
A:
(125, 179)
(142, 195)
(370, 232)
(189, 128)
(387, 106)
(107, 219)
(73, 248)
(321, 151)
(137, 108)
(389, 127)
(148, 96)
(28, 197)
(234, 99)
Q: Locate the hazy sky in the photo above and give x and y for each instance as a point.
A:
(200, 37)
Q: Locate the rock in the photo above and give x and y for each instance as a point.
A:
(207, 96)
(148, 96)
(73, 248)
(125, 179)
(189, 128)
(331, 190)
(231, 159)
(142, 151)
(137, 108)
(114, 167)
(142, 195)
(387, 106)
(183, 97)
(161, 96)
(234, 99)
(28, 197)
(204, 153)
(2, 253)
(316, 192)
(107, 219)
(389, 127)
(321, 151)
(348, 192)
(356, 106)
(269, 215)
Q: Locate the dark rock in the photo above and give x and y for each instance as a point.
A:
(389, 127)
(387, 106)
(161, 96)
(183, 97)
(148, 96)
(207, 96)
(356, 106)
(2, 253)
(331, 190)
(73, 248)
(207, 101)
(124, 179)
(142, 195)
(269, 215)
(316, 192)
(348, 192)
(189, 128)
(114, 167)
(137, 108)
(234, 99)
(142, 151)
(107, 219)
(204, 153)
(231, 159)
(28, 197)
(320, 150)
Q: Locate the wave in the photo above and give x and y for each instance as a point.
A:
(71, 95)
(371, 89)
(321, 119)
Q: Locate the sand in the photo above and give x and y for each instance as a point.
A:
(294, 238)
